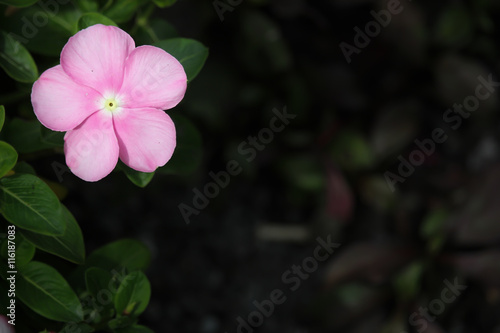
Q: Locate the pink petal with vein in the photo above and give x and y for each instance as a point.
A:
(96, 56)
(146, 138)
(91, 149)
(61, 104)
(153, 78)
(5, 327)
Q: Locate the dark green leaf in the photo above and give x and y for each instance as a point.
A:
(43, 30)
(455, 27)
(25, 136)
(164, 3)
(69, 246)
(190, 53)
(24, 250)
(433, 224)
(102, 286)
(408, 281)
(2, 116)
(133, 295)
(96, 280)
(47, 293)
(188, 152)
(77, 328)
(89, 19)
(351, 151)
(52, 138)
(135, 329)
(18, 3)
(30, 204)
(23, 167)
(8, 158)
(304, 172)
(123, 10)
(127, 253)
(88, 5)
(120, 322)
(140, 179)
(153, 31)
(16, 60)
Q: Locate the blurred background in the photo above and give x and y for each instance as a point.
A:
(409, 238)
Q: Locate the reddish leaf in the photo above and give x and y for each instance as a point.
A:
(369, 261)
(482, 266)
(340, 201)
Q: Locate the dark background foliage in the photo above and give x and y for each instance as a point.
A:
(324, 175)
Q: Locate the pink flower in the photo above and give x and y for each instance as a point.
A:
(109, 97)
(5, 327)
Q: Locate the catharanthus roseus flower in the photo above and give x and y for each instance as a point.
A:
(5, 327)
(109, 97)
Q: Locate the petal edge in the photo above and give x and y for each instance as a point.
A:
(96, 56)
(153, 79)
(91, 149)
(60, 103)
(146, 138)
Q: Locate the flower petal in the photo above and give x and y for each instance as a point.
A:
(92, 148)
(61, 104)
(96, 56)
(153, 78)
(5, 327)
(146, 138)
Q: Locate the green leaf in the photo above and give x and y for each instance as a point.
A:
(27, 202)
(24, 250)
(135, 329)
(190, 53)
(52, 138)
(154, 30)
(123, 10)
(16, 60)
(47, 293)
(433, 223)
(18, 3)
(87, 5)
(304, 172)
(432, 229)
(59, 24)
(351, 151)
(23, 167)
(102, 285)
(26, 136)
(127, 253)
(140, 179)
(8, 158)
(96, 280)
(455, 27)
(89, 19)
(69, 246)
(2, 116)
(120, 322)
(408, 281)
(77, 328)
(133, 295)
(164, 3)
(188, 152)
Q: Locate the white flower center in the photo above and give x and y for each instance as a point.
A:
(110, 104)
